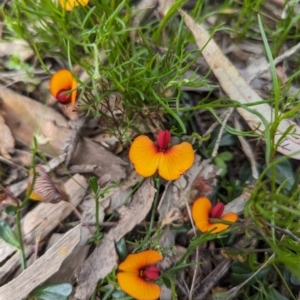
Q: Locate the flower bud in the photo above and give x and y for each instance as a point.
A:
(163, 139)
(217, 211)
(151, 273)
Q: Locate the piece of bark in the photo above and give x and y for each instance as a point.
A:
(89, 153)
(13, 264)
(22, 158)
(76, 169)
(74, 260)
(214, 277)
(6, 250)
(104, 257)
(46, 216)
(47, 265)
(43, 219)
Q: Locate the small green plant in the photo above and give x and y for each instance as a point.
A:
(99, 189)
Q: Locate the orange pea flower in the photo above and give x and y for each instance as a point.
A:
(202, 211)
(137, 271)
(63, 87)
(70, 4)
(171, 162)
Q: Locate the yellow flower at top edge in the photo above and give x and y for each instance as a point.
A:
(70, 4)
(136, 273)
(170, 161)
(202, 211)
(63, 87)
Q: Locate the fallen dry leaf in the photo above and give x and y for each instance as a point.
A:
(104, 258)
(19, 47)
(54, 133)
(237, 89)
(7, 142)
(26, 118)
(40, 221)
(238, 204)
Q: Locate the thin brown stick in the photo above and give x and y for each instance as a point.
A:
(285, 231)
(215, 151)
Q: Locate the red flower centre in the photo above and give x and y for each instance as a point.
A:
(63, 96)
(163, 140)
(217, 211)
(150, 273)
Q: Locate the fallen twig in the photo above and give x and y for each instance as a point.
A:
(228, 114)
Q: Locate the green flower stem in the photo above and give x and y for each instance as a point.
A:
(19, 232)
(97, 216)
(157, 186)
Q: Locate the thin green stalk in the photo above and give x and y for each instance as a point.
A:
(19, 210)
(19, 232)
(33, 162)
(97, 217)
(276, 120)
(157, 186)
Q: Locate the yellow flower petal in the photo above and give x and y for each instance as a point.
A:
(61, 80)
(200, 213)
(136, 287)
(144, 155)
(176, 160)
(70, 4)
(231, 217)
(34, 196)
(137, 261)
